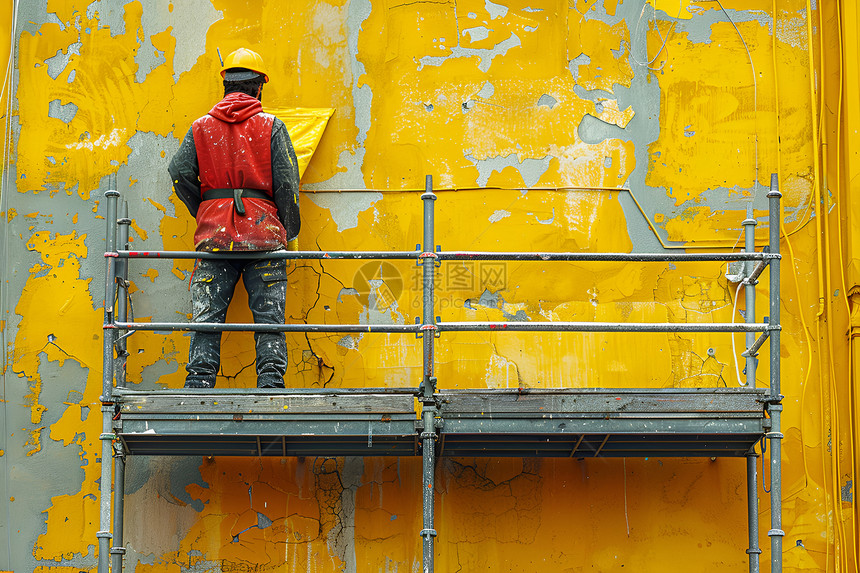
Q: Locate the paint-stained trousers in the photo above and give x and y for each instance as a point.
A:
(211, 292)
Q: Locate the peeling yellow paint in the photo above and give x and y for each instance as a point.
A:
(137, 229)
(611, 113)
(35, 439)
(41, 334)
(597, 40)
(157, 205)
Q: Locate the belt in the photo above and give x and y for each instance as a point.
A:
(236, 195)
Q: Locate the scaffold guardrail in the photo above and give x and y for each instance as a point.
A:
(428, 327)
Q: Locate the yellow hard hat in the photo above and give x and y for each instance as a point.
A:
(248, 61)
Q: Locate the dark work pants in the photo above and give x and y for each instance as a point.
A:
(211, 291)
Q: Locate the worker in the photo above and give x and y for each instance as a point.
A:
(237, 173)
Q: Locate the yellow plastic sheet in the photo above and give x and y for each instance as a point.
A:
(306, 126)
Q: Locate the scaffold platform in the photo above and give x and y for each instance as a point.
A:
(575, 423)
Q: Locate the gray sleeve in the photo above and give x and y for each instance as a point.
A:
(184, 172)
(285, 179)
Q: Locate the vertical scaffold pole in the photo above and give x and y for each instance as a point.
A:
(428, 385)
(118, 550)
(749, 293)
(775, 404)
(106, 436)
(753, 551)
(122, 301)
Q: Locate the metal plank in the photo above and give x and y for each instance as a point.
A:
(537, 453)
(603, 402)
(526, 415)
(124, 393)
(324, 418)
(603, 426)
(268, 428)
(179, 404)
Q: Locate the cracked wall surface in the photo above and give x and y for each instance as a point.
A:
(577, 125)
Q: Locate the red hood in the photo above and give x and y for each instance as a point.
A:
(236, 108)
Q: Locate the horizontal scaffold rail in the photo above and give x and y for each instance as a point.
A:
(254, 327)
(601, 327)
(451, 256)
(448, 327)
(597, 257)
(379, 255)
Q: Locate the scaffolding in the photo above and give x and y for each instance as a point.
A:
(576, 422)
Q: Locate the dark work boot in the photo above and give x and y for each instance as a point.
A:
(197, 383)
(270, 381)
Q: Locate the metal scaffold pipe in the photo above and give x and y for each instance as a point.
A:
(122, 301)
(749, 294)
(599, 257)
(428, 533)
(754, 551)
(428, 384)
(749, 225)
(106, 436)
(118, 550)
(599, 327)
(428, 258)
(289, 255)
(110, 294)
(258, 327)
(775, 407)
(452, 256)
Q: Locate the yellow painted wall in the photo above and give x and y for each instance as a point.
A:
(586, 125)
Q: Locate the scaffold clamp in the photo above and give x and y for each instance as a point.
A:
(428, 533)
(426, 327)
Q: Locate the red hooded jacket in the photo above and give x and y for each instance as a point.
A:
(233, 144)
